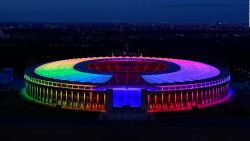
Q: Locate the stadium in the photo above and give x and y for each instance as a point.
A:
(148, 84)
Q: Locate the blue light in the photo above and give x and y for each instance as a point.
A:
(126, 97)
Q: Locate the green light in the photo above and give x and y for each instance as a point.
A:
(64, 70)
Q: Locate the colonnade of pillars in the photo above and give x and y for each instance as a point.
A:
(165, 101)
(83, 100)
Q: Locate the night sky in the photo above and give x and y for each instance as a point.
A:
(124, 11)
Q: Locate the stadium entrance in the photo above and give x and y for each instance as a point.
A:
(126, 97)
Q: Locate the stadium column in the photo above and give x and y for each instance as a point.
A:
(56, 96)
(209, 95)
(162, 99)
(197, 97)
(51, 95)
(202, 97)
(72, 99)
(97, 100)
(104, 101)
(40, 90)
(47, 95)
(61, 97)
(213, 93)
(35, 90)
(78, 99)
(181, 99)
(192, 98)
(84, 100)
(37, 95)
(91, 97)
(187, 102)
(216, 93)
(66, 100)
(205, 96)
(42, 96)
(175, 97)
(33, 93)
(169, 100)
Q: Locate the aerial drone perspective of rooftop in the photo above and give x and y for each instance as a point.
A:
(132, 70)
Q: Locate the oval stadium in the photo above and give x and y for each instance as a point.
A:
(148, 84)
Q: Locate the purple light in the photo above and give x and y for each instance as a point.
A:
(190, 71)
(180, 85)
(126, 97)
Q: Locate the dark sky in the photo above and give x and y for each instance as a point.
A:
(115, 11)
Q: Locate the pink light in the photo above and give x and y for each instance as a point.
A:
(189, 107)
(190, 71)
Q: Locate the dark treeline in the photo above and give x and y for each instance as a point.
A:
(23, 45)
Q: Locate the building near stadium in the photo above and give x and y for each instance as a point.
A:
(147, 84)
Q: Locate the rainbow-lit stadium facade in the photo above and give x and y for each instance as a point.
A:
(102, 84)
